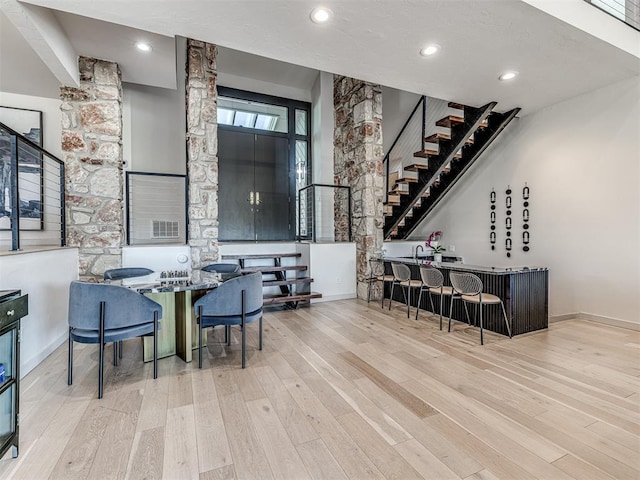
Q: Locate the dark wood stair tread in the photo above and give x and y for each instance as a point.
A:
(393, 199)
(436, 137)
(272, 269)
(260, 256)
(456, 105)
(298, 297)
(449, 121)
(426, 153)
(414, 167)
(289, 281)
(407, 180)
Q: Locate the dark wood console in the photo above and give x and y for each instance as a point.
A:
(13, 307)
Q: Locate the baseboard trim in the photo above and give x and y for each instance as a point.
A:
(33, 362)
(615, 322)
(566, 316)
(332, 298)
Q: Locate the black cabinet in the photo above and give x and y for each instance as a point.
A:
(13, 307)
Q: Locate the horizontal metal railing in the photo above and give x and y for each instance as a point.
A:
(32, 196)
(324, 213)
(627, 11)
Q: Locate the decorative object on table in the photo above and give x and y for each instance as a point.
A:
(492, 233)
(507, 202)
(30, 172)
(433, 242)
(525, 218)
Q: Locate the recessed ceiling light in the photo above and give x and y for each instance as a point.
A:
(429, 50)
(320, 15)
(508, 76)
(144, 47)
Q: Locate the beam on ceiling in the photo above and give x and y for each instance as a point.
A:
(43, 33)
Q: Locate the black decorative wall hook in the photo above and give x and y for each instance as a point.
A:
(525, 218)
(492, 227)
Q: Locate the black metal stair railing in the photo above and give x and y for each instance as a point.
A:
(431, 178)
(496, 122)
(32, 179)
(406, 140)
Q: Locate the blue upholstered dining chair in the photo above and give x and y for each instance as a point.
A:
(237, 301)
(126, 272)
(102, 313)
(121, 274)
(222, 268)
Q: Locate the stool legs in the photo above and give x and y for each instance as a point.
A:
(504, 312)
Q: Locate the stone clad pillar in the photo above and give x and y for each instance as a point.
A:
(202, 152)
(358, 155)
(92, 151)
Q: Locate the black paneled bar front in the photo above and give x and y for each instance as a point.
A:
(524, 291)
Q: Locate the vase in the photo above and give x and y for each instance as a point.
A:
(437, 257)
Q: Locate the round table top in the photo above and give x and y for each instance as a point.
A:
(196, 280)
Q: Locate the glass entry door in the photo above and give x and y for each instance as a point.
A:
(253, 186)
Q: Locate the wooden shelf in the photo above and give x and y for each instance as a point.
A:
(300, 297)
(261, 256)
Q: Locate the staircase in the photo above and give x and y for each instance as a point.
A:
(294, 288)
(441, 162)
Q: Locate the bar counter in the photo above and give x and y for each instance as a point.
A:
(524, 291)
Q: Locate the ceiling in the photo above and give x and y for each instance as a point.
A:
(376, 41)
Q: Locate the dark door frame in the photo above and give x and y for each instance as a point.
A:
(292, 106)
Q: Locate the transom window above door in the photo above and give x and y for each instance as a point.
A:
(249, 114)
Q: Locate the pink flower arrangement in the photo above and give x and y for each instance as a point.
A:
(432, 242)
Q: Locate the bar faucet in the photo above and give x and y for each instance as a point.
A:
(415, 255)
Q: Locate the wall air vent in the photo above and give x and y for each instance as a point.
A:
(165, 229)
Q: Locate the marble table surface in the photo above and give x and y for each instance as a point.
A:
(196, 280)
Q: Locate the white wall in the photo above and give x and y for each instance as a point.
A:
(157, 258)
(581, 160)
(322, 124)
(396, 108)
(593, 21)
(333, 269)
(153, 129)
(260, 86)
(45, 276)
(332, 265)
(50, 108)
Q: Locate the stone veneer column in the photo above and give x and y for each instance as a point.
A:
(358, 155)
(202, 152)
(92, 146)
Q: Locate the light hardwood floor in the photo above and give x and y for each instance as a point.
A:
(345, 390)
